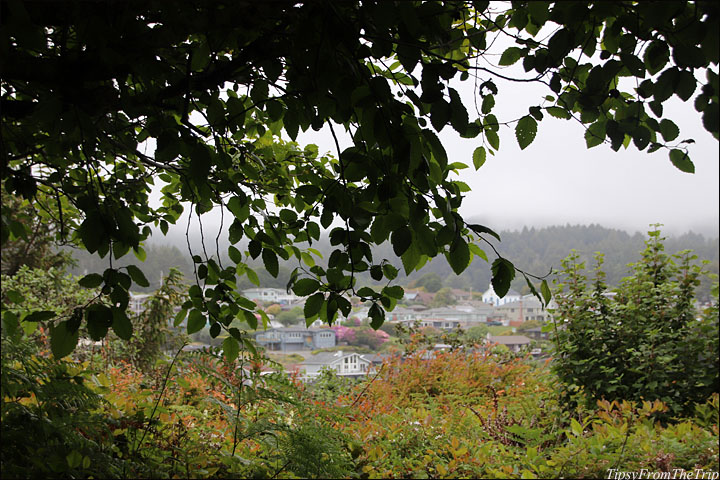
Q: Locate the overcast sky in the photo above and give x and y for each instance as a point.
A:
(557, 180)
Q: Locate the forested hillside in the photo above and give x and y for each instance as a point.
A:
(534, 250)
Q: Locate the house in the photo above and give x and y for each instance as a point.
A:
(439, 323)
(137, 303)
(465, 314)
(493, 299)
(290, 339)
(275, 295)
(537, 333)
(514, 343)
(346, 364)
(461, 295)
(525, 309)
(400, 314)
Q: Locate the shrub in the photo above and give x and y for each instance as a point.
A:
(647, 343)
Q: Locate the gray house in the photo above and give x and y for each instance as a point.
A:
(514, 342)
(292, 339)
(347, 364)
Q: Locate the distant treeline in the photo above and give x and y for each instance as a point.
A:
(534, 250)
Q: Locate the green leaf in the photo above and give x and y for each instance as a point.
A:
(99, 319)
(235, 255)
(137, 275)
(440, 114)
(410, 259)
(510, 56)
(62, 340)
(558, 112)
(376, 273)
(669, 130)
(633, 64)
(545, 291)
(121, 324)
(377, 316)
(305, 286)
(487, 104)
(401, 240)
(480, 229)
(39, 316)
(231, 349)
(493, 139)
(139, 253)
(179, 317)
(681, 160)
(313, 305)
(390, 271)
(271, 262)
(238, 206)
(576, 428)
(459, 256)
(74, 459)
(595, 134)
(196, 321)
(685, 85)
(396, 291)
(525, 131)
(479, 156)
(252, 276)
(265, 319)
(251, 319)
(656, 56)
(14, 296)
(711, 116)
(91, 280)
(503, 272)
(200, 56)
(641, 137)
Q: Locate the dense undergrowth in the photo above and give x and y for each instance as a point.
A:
(459, 414)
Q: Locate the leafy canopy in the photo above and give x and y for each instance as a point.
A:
(102, 102)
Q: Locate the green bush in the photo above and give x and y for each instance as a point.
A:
(646, 343)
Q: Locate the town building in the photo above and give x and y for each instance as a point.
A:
(290, 339)
(274, 295)
(523, 310)
(514, 343)
(493, 299)
(346, 364)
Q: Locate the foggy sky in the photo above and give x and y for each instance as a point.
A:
(557, 180)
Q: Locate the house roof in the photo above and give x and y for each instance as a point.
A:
(297, 329)
(509, 339)
(531, 302)
(326, 358)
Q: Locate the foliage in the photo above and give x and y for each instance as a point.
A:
(646, 343)
(431, 281)
(153, 333)
(359, 336)
(159, 259)
(443, 297)
(51, 426)
(476, 334)
(290, 317)
(215, 86)
(410, 423)
(34, 238)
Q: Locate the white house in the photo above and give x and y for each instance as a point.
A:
(347, 364)
(493, 299)
(275, 295)
(137, 302)
(439, 323)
